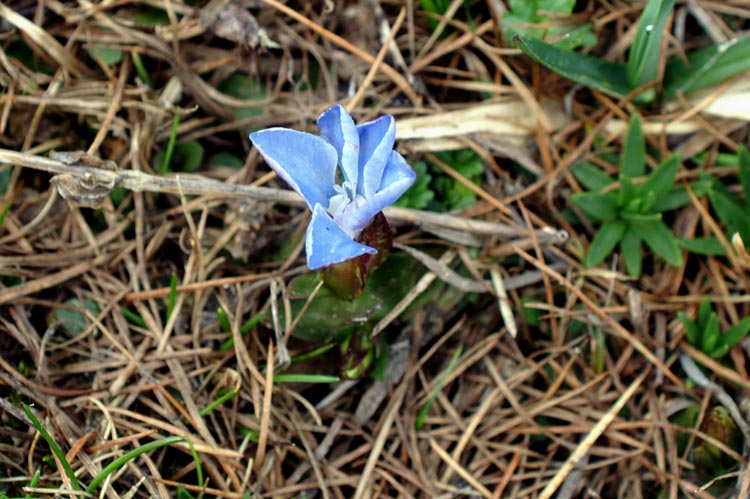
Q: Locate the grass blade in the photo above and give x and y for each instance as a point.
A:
(122, 460)
(421, 416)
(56, 450)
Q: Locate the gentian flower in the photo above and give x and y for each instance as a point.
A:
(346, 176)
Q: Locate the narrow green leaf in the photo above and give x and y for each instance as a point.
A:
(166, 158)
(637, 217)
(710, 337)
(304, 378)
(421, 416)
(706, 67)
(704, 312)
(648, 199)
(605, 240)
(660, 239)
(731, 213)
(223, 320)
(628, 195)
(691, 330)
(633, 158)
(216, 403)
(718, 352)
(172, 299)
(631, 247)
(56, 450)
(198, 466)
(122, 460)
(743, 157)
(597, 206)
(643, 58)
(677, 197)
(591, 177)
(736, 333)
(133, 317)
(703, 246)
(141, 69)
(661, 180)
(607, 77)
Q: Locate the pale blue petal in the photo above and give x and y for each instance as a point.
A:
(337, 127)
(328, 244)
(376, 140)
(397, 178)
(305, 161)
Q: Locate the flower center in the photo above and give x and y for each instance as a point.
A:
(345, 201)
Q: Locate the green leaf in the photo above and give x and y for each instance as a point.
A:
(643, 58)
(151, 16)
(597, 206)
(121, 461)
(633, 158)
(182, 493)
(305, 378)
(72, 316)
(743, 156)
(327, 313)
(591, 177)
(56, 450)
(648, 199)
(637, 217)
(580, 36)
(706, 67)
(607, 77)
(710, 336)
(522, 17)
(731, 213)
(677, 197)
(628, 195)
(241, 86)
(109, 56)
(718, 352)
(225, 158)
(691, 330)
(605, 240)
(736, 333)
(704, 312)
(659, 238)
(631, 247)
(419, 194)
(703, 246)
(661, 180)
(421, 415)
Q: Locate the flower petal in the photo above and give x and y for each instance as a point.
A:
(328, 244)
(376, 140)
(338, 129)
(305, 161)
(398, 176)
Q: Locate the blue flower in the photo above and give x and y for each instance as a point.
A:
(372, 176)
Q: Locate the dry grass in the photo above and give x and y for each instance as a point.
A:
(527, 417)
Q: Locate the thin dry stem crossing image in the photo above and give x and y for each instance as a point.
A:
(373, 249)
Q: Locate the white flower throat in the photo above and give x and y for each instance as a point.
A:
(346, 199)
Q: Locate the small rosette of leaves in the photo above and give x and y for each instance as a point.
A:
(705, 332)
(631, 214)
(732, 211)
(554, 21)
